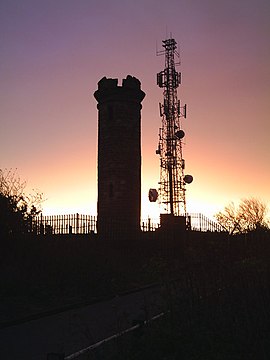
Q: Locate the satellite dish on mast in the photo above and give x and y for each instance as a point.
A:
(188, 179)
(152, 195)
(180, 134)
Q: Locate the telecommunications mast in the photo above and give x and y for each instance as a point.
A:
(172, 184)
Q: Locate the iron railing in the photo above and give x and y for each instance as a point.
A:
(87, 224)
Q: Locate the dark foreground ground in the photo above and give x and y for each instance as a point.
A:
(216, 289)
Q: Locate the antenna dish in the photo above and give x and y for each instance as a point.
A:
(180, 134)
(152, 195)
(188, 179)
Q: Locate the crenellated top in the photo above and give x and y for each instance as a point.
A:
(109, 90)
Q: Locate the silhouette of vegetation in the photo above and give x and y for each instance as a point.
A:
(250, 215)
(215, 286)
(216, 291)
(16, 208)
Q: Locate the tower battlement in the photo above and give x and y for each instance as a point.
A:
(128, 82)
(130, 90)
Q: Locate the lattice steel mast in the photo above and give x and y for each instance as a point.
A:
(172, 191)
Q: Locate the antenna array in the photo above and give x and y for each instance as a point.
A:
(172, 190)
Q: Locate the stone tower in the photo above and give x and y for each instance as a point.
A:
(119, 155)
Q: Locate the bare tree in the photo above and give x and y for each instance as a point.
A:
(17, 209)
(249, 215)
(253, 212)
(11, 184)
(229, 219)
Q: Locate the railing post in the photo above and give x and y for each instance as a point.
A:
(41, 226)
(77, 224)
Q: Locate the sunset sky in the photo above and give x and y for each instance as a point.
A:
(54, 52)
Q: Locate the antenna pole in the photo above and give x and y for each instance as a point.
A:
(172, 190)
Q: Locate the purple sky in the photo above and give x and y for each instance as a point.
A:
(53, 53)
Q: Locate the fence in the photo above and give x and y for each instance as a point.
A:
(87, 224)
(200, 222)
(65, 224)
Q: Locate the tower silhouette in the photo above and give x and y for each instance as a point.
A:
(119, 155)
(172, 184)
